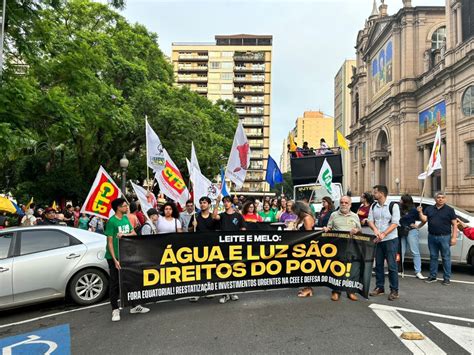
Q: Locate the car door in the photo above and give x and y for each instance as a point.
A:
(46, 258)
(6, 269)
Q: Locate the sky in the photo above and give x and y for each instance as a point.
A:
(311, 40)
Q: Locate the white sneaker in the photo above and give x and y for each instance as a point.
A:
(139, 309)
(224, 299)
(115, 315)
(234, 297)
(420, 276)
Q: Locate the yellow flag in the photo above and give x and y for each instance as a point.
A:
(29, 204)
(292, 143)
(342, 141)
(54, 206)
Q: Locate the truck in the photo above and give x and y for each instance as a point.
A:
(305, 171)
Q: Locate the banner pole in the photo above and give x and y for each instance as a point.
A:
(423, 190)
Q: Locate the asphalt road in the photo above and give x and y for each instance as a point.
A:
(266, 322)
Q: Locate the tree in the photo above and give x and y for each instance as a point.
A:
(286, 186)
(87, 80)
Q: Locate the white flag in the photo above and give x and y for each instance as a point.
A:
(239, 159)
(142, 197)
(154, 150)
(194, 160)
(435, 157)
(325, 176)
(202, 186)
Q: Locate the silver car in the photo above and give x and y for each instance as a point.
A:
(461, 253)
(41, 263)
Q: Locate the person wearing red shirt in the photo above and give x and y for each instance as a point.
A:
(249, 212)
(468, 231)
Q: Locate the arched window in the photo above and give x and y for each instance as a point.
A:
(357, 107)
(468, 101)
(438, 38)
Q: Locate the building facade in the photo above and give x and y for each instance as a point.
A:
(342, 114)
(236, 68)
(415, 71)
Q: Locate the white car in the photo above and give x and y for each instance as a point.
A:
(41, 263)
(461, 253)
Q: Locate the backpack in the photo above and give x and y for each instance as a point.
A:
(390, 207)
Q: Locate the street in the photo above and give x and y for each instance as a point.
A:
(268, 322)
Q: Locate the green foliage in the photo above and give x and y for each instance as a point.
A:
(78, 82)
(287, 185)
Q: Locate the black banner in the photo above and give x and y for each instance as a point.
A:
(179, 265)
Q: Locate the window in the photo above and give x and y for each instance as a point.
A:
(357, 107)
(438, 38)
(471, 158)
(227, 54)
(363, 150)
(35, 241)
(227, 87)
(468, 101)
(227, 76)
(356, 151)
(227, 97)
(214, 65)
(214, 54)
(5, 242)
(227, 65)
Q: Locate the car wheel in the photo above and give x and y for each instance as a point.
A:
(88, 286)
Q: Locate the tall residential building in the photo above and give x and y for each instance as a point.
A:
(414, 72)
(237, 68)
(310, 128)
(342, 113)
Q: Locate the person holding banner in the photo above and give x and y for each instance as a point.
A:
(230, 220)
(203, 221)
(384, 220)
(345, 220)
(305, 222)
(118, 226)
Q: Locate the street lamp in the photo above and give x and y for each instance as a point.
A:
(397, 182)
(124, 165)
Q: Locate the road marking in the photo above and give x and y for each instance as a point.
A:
(438, 315)
(463, 336)
(439, 279)
(53, 315)
(399, 324)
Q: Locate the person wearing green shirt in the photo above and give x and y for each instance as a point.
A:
(118, 226)
(83, 222)
(268, 215)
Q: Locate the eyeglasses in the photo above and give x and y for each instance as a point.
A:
(124, 205)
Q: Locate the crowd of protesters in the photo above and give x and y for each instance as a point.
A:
(395, 226)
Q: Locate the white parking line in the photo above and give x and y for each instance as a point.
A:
(439, 279)
(53, 315)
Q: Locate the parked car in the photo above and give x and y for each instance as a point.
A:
(461, 253)
(41, 263)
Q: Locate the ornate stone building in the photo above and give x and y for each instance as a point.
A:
(414, 71)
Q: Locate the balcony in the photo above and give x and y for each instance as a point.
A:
(190, 69)
(250, 57)
(254, 134)
(192, 79)
(250, 69)
(253, 79)
(249, 111)
(193, 57)
(253, 121)
(249, 101)
(202, 90)
(256, 90)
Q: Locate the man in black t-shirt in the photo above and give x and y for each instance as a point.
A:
(442, 234)
(203, 221)
(230, 221)
(69, 216)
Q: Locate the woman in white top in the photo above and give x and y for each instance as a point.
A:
(169, 222)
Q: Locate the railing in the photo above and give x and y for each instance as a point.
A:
(252, 79)
(253, 121)
(300, 153)
(254, 134)
(191, 68)
(250, 57)
(255, 89)
(243, 111)
(256, 145)
(200, 89)
(192, 79)
(248, 101)
(250, 69)
(193, 57)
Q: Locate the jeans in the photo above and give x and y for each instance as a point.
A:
(114, 290)
(386, 251)
(414, 247)
(437, 244)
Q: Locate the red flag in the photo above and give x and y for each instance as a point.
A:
(102, 193)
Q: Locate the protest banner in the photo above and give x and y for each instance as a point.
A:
(183, 265)
(100, 197)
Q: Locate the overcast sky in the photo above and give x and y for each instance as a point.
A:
(311, 40)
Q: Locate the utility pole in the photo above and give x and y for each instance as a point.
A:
(2, 36)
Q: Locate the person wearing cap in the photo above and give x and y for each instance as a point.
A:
(49, 217)
(150, 225)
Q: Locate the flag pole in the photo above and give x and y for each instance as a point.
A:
(147, 170)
